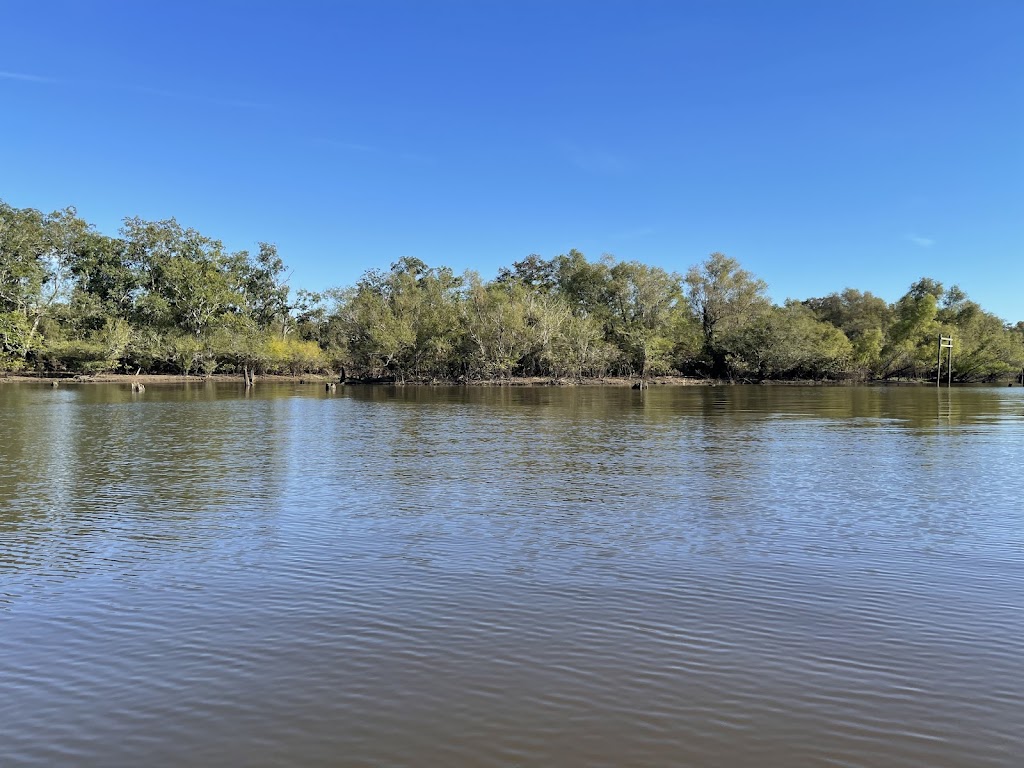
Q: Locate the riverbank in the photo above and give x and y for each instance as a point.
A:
(523, 381)
(147, 378)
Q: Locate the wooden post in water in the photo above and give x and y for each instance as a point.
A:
(945, 342)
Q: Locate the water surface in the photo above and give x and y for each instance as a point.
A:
(762, 576)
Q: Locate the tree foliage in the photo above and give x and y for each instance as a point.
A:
(726, 300)
(166, 298)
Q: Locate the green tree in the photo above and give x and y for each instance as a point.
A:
(790, 342)
(642, 301)
(911, 339)
(105, 286)
(36, 254)
(405, 322)
(261, 287)
(864, 318)
(725, 299)
(319, 318)
(497, 332)
(584, 284)
(983, 346)
(578, 348)
(186, 276)
(379, 332)
(534, 272)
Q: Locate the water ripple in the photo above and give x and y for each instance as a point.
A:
(729, 576)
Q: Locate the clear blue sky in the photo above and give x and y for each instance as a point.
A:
(822, 143)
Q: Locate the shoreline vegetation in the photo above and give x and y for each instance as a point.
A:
(129, 379)
(159, 300)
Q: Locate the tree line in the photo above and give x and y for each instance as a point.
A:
(166, 299)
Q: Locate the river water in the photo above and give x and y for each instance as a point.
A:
(705, 576)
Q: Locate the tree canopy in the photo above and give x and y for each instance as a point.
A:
(166, 298)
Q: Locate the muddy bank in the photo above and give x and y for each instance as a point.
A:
(523, 381)
(155, 378)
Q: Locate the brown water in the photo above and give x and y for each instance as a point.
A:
(745, 576)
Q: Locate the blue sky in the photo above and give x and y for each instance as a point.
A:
(823, 144)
